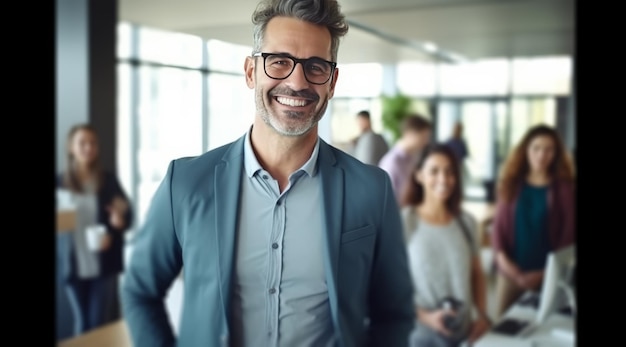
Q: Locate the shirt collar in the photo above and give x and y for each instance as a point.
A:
(252, 166)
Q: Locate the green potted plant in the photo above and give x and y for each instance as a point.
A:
(394, 109)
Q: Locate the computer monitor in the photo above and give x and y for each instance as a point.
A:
(558, 289)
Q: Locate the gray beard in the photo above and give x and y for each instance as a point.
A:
(291, 131)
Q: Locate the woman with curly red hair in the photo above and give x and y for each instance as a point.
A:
(534, 215)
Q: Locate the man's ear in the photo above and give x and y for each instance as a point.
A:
(248, 68)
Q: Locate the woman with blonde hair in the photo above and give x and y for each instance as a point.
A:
(92, 278)
(534, 214)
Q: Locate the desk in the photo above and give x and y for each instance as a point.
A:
(110, 335)
(541, 337)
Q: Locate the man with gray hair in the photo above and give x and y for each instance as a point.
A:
(282, 239)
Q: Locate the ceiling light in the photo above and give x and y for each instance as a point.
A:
(431, 47)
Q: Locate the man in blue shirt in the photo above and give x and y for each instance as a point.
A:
(282, 239)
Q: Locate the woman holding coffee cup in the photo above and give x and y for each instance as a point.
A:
(450, 289)
(103, 214)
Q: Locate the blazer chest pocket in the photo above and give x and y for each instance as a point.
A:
(355, 261)
(357, 234)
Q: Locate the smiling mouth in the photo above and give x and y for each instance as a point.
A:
(292, 102)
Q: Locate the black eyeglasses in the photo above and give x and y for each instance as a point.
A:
(280, 66)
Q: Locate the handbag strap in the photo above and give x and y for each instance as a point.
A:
(466, 232)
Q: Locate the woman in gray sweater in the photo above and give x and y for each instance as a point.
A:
(450, 290)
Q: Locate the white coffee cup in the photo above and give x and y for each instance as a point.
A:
(95, 234)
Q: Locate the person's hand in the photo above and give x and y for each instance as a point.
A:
(532, 280)
(105, 242)
(521, 279)
(479, 327)
(117, 209)
(434, 319)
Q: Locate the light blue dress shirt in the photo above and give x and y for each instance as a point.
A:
(280, 296)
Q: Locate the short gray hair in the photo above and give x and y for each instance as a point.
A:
(320, 12)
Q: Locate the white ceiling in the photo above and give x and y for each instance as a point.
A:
(391, 30)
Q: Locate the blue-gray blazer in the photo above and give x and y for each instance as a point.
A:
(192, 221)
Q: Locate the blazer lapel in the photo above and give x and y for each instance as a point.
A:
(227, 186)
(332, 187)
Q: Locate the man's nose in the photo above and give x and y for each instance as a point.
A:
(297, 80)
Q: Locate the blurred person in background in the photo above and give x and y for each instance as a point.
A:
(92, 278)
(282, 239)
(458, 145)
(400, 160)
(535, 212)
(369, 147)
(443, 254)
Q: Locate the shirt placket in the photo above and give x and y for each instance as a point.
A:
(275, 262)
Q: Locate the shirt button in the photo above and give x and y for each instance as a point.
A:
(278, 202)
(274, 245)
(272, 291)
(265, 177)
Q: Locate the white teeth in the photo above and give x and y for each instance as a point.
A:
(291, 102)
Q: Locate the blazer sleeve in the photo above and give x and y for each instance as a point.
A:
(154, 264)
(392, 315)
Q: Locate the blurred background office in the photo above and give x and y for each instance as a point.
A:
(164, 79)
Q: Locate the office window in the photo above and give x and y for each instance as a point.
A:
(448, 113)
(227, 57)
(416, 78)
(170, 48)
(527, 112)
(421, 107)
(482, 78)
(477, 119)
(359, 80)
(343, 118)
(502, 134)
(549, 75)
(124, 39)
(231, 108)
(124, 128)
(170, 124)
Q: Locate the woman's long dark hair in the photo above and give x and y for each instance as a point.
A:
(70, 178)
(413, 194)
